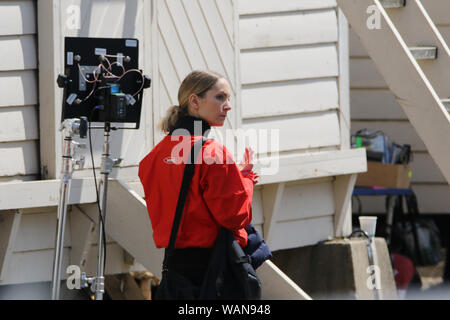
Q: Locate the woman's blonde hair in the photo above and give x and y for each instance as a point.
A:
(197, 82)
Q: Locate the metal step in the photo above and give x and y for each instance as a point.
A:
(387, 4)
(424, 53)
(446, 103)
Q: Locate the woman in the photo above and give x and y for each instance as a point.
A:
(220, 193)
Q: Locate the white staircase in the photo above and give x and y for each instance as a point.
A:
(414, 60)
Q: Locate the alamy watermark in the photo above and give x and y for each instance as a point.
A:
(374, 19)
(264, 142)
(73, 21)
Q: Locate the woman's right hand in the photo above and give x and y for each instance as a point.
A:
(247, 163)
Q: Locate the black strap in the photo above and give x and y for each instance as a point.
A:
(187, 178)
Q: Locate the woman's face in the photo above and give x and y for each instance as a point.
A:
(214, 105)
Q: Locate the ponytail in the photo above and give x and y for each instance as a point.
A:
(173, 114)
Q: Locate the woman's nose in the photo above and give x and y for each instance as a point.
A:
(227, 106)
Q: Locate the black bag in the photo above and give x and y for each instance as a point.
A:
(230, 274)
(415, 237)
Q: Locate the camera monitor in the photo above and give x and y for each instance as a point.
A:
(102, 81)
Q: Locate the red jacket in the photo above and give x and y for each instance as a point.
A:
(219, 194)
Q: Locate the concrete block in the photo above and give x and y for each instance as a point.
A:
(339, 270)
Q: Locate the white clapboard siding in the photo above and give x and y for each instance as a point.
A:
(364, 74)
(424, 169)
(18, 88)
(297, 28)
(18, 52)
(304, 62)
(270, 6)
(212, 36)
(19, 123)
(37, 231)
(302, 232)
(402, 132)
(375, 104)
(17, 17)
(303, 131)
(306, 201)
(37, 266)
(19, 158)
(289, 97)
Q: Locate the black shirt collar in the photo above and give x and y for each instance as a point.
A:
(193, 125)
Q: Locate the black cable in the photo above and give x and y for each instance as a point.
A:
(96, 191)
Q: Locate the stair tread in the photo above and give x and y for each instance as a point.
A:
(387, 4)
(424, 52)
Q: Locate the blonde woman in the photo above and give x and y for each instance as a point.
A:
(221, 192)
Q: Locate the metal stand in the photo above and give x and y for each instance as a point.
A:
(98, 283)
(72, 127)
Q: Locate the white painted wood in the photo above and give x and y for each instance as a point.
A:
(307, 166)
(299, 233)
(10, 245)
(303, 131)
(445, 32)
(417, 29)
(257, 206)
(18, 52)
(402, 132)
(37, 266)
(10, 228)
(344, 81)
(199, 21)
(128, 223)
(230, 17)
(6, 223)
(18, 17)
(44, 193)
(38, 231)
(364, 74)
(19, 158)
(19, 178)
(379, 104)
(293, 28)
(223, 43)
(276, 285)
(424, 169)
(269, 6)
(271, 195)
(51, 62)
(18, 88)
(438, 10)
(305, 62)
(19, 123)
(289, 97)
(306, 200)
(355, 46)
(343, 188)
(418, 98)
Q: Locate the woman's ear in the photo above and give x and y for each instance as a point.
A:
(194, 101)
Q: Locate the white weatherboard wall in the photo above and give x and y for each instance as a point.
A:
(293, 74)
(19, 115)
(374, 106)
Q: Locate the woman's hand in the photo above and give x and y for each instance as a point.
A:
(247, 163)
